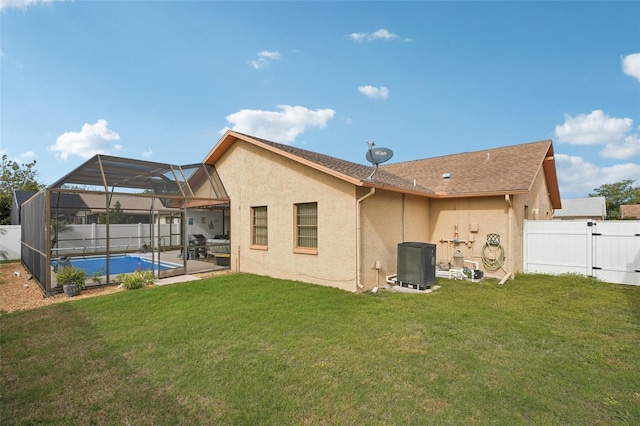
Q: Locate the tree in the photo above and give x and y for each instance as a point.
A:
(617, 194)
(14, 176)
(116, 215)
(57, 226)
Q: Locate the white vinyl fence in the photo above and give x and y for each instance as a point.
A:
(86, 239)
(10, 241)
(608, 250)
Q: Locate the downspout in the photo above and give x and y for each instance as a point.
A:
(404, 201)
(358, 236)
(509, 235)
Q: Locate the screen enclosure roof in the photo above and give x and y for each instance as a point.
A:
(104, 173)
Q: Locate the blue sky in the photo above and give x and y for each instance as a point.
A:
(163, 80)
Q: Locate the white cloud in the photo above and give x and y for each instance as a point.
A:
(577, 176)
(374, 92)
(148, 153)
(629, 147)
(26, 157)
(91, 140)
(359, 37)
(381, 34)
(279, 126)
(265, 58)
(631, 65)
(593, 129)
(21, 4)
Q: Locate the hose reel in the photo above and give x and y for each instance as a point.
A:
(493, 253)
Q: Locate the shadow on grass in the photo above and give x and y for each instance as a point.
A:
(78, 379)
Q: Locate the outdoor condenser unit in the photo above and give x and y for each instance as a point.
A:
(416, 265)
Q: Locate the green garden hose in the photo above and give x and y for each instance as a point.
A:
(493, 253)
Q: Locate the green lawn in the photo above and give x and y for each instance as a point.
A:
(244, 349)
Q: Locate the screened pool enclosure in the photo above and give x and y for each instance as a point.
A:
(118, 207)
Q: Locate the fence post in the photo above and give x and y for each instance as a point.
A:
(589, 236)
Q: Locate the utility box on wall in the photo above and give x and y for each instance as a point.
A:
(416, 265)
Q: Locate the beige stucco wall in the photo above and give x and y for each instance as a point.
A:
(473, 218)
(489, 215)
(389, 218)
(381, 231)
(536, 205)
(256, 177)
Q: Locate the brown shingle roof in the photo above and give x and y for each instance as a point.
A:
(509, 169)
(630, 211)
(505, 170)
(357, 171)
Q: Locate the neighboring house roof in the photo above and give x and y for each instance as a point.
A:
(629, 211)
(590, 207)
(508, 170)
(21, 196)
(95, 202)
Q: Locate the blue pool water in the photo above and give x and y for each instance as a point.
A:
(118, 264)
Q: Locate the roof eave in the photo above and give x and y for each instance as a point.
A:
(391, 188)
(549, 167)
(230, 137)
(480, 194)
(437, 194)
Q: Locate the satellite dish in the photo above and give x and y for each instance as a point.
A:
(379, 155)
(376, 156)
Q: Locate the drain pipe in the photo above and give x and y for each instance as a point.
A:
(358, 237)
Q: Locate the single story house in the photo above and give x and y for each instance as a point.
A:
(88, 208)
(18, 199)
(297, 214)
(630, 211)
(594, 208)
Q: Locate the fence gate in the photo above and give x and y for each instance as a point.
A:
(608, 250)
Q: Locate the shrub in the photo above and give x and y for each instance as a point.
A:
(97, 276)
(138, 279)
(71, 275)
(119, 279)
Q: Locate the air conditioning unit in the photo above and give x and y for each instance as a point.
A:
(416, 265)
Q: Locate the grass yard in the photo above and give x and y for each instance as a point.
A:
(244, 349)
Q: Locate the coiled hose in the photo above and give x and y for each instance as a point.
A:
(493, 253)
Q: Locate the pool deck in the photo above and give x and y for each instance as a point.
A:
(194, 266)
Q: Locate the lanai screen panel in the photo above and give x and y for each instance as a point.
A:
(33, 247)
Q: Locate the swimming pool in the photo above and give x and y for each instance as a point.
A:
(118, 265)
